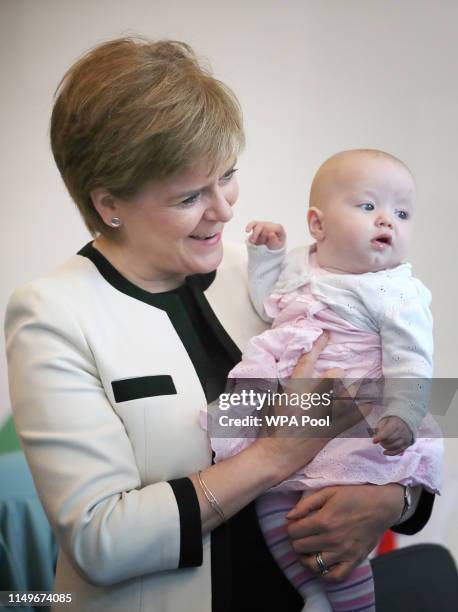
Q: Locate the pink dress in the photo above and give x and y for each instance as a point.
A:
(298, 320)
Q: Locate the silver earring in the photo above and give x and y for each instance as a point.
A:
(116, 221)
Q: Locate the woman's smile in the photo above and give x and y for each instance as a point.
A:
(207, 240)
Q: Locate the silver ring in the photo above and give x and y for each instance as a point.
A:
(322, 567)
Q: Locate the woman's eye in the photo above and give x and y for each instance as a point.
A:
(229, 174)
(192, 199)
(367, 206)
(402, 214)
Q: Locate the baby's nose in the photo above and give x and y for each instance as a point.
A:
(384, 221)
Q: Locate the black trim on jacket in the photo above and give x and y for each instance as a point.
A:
(421, 516)
(191, 553)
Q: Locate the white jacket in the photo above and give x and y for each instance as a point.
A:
(101, 466)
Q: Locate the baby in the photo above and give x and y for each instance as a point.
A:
(354, 284)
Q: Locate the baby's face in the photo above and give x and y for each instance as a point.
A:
(367, 206)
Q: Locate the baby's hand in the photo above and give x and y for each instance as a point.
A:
(393, 434)
(273, 235)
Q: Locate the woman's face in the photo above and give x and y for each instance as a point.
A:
(173, 227)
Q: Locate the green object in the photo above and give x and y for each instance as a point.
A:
(28, 549)
(9, 442)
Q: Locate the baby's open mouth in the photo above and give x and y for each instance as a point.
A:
(382, 241)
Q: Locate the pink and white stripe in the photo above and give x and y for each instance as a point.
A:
(354, 594)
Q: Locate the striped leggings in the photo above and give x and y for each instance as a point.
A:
(354, 594)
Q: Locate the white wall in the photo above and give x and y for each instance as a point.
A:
(313, 77)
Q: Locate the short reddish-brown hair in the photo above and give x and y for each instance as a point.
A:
(131, 110)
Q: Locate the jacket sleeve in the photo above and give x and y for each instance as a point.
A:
(420, 517)
(110, 526)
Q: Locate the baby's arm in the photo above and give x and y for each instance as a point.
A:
(266, 252)
(407, 347)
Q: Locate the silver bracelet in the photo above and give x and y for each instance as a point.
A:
(211, 498)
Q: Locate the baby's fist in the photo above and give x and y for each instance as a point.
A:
(273, 235)
(393, 434)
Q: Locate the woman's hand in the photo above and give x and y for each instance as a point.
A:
(290, 448)
(272, 457)
(344, 523)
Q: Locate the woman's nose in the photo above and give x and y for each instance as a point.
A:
(219, 209)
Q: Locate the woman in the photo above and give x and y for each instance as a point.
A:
(110, 355)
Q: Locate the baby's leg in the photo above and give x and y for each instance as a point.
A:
(354, 593)
(272, 509)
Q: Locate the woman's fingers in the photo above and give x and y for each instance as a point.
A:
(339, 558)
(329, 558)
(306, 363)
(337, 571)
(310, 503)
(337, 405)
(334, 373)
(346, 527)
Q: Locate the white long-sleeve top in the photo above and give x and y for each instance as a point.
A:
(392, 303)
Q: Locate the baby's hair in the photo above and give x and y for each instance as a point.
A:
(331, 161)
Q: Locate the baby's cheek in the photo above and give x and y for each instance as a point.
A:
(405, 239)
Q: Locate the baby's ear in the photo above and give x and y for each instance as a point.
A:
(315, 222)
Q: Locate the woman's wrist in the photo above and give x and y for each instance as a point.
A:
(394, 505)
(238, 480)
(279, 465)
(234, 483)
(393, 502)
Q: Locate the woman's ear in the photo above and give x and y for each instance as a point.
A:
(315, 219)
(105, 204)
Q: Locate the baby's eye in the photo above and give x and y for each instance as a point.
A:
(367, 206)
(403, 214)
